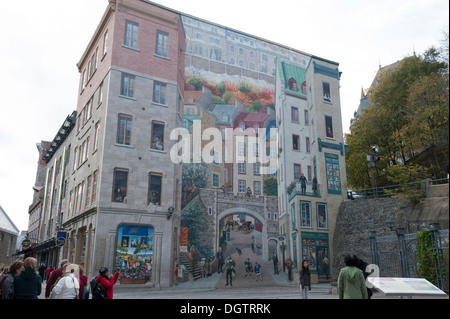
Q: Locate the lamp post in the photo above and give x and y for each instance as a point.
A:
(373, 158)
(171, 210)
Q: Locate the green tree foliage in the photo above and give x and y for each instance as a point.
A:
(196, 82)
(408, 121)
(425, 256)
(270, 187)
(194, 218)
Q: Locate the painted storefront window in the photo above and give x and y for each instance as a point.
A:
(333, 173)
(315, 248)
(134, 252)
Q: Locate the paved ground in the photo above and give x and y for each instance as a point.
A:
(213, 287)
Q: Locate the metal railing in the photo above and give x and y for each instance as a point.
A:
(396, 255)
(399, 189)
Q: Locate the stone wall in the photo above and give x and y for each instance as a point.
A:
(356, 218)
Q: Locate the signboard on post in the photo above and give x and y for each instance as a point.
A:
(61, 238)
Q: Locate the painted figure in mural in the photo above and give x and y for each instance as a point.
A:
(314, 185)
(155, 198)
(253, 244)
(157, 144)
(175, 272)
(229, 266)
(289, 264)
(258, 271)
(118, 196)
(248, 267)
(219, 257)
(303, 183)
(249, 192)
(192, 253)
(325, 263)
(275, 263)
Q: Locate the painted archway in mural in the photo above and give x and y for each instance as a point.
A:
(239, 210)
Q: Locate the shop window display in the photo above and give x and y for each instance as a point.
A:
(134, 252)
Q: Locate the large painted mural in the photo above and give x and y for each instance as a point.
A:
(236, 68)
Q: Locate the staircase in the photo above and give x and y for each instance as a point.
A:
(195, 269)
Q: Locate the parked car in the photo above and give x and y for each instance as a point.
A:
(352, 194)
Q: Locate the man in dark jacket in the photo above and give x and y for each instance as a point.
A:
(57, 273)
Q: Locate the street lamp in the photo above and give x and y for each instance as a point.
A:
(373, 158)
(171, 210)
(390, 223)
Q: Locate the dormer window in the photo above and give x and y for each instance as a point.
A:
(292, 85)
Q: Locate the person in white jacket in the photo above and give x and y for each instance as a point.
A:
(68, 286)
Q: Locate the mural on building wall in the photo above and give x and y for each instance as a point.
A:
(237, 69)
(134, 252)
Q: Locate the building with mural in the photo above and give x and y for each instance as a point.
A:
(311, 171)
(148, 70)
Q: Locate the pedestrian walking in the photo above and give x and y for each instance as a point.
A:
(54, 276)
(275, 263)
(351, 282)
(362, 265)
(106, 281)
(7, 286)
(229, 266)
(304, 279)
(219, 257)
(258, 271)
(41, 271)
(83, 280)
(68, 286)
(28, 284)
(48, 271)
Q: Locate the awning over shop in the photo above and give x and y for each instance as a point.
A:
(47, 245)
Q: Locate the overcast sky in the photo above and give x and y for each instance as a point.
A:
(43, 40)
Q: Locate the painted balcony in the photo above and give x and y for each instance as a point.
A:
(309, 191)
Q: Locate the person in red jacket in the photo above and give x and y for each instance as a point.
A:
(55, 274)
(83, 280)
(107, 282)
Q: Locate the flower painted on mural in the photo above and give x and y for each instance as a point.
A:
(135, 272)
(227, 91)
(291, 187)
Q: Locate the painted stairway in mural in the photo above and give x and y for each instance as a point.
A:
(194, 268)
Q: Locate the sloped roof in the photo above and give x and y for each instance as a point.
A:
(194, 95)
(288, 72)
(220, 110)
(256, 117)
(6, 224)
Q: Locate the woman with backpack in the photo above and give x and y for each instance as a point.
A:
(106, 282)
(7, 285)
